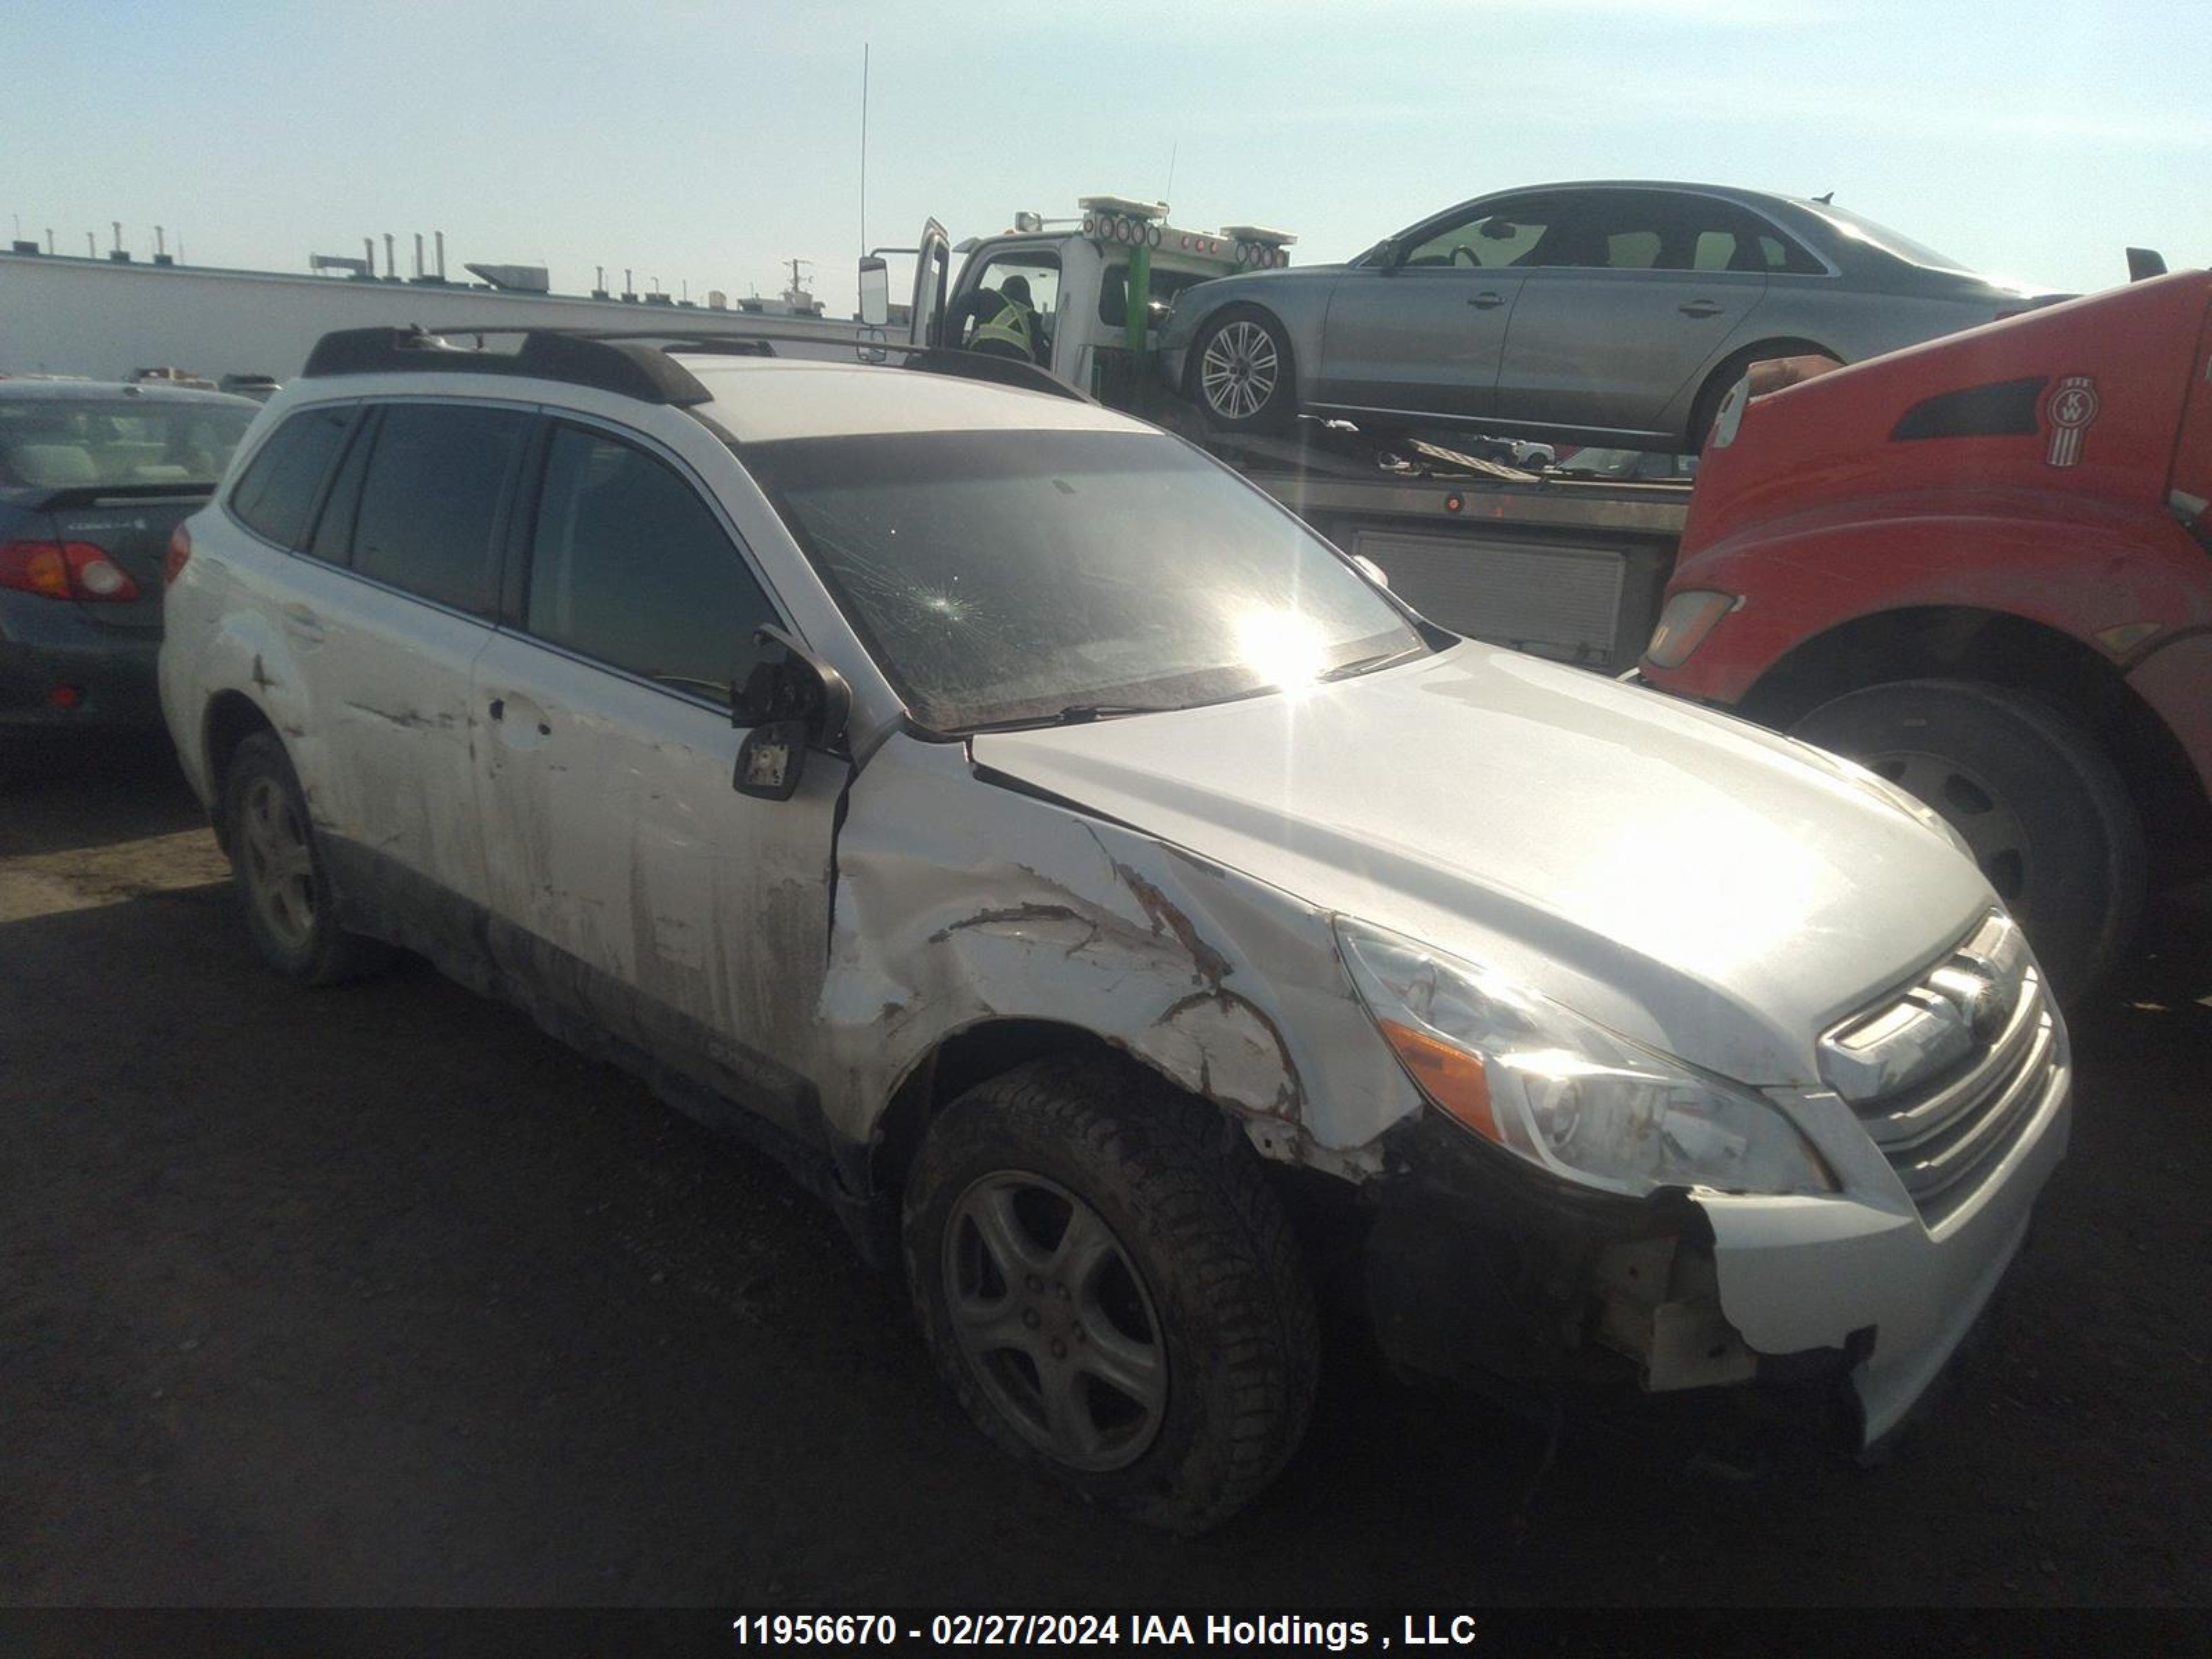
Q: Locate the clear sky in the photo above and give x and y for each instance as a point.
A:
(703, 143)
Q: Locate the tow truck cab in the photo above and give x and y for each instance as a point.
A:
(1101, 282)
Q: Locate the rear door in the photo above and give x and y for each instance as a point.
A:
(1646, 289)
(384, 611)
(629, 880)
(1425, 335)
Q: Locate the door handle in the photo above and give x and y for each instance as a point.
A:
(302, 623)
(1700, 308)
(1486, 300)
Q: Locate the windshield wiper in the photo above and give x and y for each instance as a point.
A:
(1078, 713)
(1369, 665)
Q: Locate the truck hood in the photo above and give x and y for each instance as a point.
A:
(1689, 880)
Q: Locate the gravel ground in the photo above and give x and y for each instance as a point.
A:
(377, 1295)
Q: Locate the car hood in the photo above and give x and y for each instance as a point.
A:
(1691, 881)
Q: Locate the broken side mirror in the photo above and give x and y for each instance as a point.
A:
(790, 700)
(875, 291)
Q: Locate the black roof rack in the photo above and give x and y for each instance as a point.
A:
(634, 362)
(630, 367)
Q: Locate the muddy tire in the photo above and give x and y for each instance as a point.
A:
(1110, 1290)
(278, 867)
(2046, 811)
(1242, 377)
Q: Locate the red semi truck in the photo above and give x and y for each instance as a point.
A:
(1983, 568)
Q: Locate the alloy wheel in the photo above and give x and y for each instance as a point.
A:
(1238, 369)
(280, 870)
(1055, 1321)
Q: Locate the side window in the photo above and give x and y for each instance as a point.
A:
(430, 500)
(1654, 230)
(1037, 271)
(629, 566)
(278, 490)
(333, 541)
(1779, 253)
(1632, 250)
(1506, 234)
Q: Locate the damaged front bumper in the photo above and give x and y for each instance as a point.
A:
(1476, 1271)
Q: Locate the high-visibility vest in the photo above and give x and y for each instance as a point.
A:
(1014, 326)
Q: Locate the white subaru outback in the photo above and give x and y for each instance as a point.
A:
(1060, 858)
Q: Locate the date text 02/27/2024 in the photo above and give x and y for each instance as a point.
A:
(1281, 1631)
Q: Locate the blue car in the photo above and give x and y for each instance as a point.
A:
(94, 479)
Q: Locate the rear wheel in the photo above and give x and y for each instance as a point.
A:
(2025, 784)
(279, 871)
(1110, 1290)
(1241, 372)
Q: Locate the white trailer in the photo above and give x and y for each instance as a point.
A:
(103, 319)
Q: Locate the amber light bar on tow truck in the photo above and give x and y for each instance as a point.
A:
(1120, 219)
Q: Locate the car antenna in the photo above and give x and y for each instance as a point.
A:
(1827, 201)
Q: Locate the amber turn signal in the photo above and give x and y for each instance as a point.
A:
(1449, 1076)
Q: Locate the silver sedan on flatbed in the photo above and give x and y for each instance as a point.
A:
(1616, 313)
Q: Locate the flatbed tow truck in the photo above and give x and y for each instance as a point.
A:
(1566, 568)
(1976, 565)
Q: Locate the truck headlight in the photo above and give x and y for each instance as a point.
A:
(1689, 615)
(1562, 1092)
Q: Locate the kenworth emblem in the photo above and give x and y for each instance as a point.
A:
(2069, 409)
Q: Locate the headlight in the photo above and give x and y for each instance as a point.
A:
(1567, 1095)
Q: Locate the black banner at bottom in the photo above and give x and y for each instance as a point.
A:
(1424, 1633)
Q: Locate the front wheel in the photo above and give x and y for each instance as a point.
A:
(1110, 1289)
(2044, 811)
(1241, 372)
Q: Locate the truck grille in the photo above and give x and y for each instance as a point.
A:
(1947, 1074)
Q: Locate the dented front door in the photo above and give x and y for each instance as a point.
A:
(630, 883)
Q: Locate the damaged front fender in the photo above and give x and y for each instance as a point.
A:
(1229, 988)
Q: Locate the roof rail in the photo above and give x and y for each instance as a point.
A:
(634, 362)
(632, 369)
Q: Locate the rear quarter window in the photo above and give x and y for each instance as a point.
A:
(276, 496)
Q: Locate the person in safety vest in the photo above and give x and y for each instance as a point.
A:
(1009, 328)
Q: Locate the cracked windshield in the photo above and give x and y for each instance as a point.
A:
(1006, 576)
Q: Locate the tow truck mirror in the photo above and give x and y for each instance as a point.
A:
(789, 701)
(875, 291)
